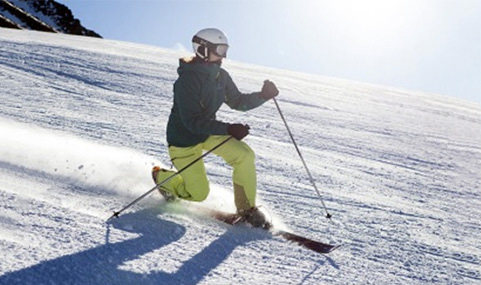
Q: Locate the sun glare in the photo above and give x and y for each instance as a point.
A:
(374, 26)
(372, 19)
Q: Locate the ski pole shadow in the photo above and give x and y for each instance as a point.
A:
(100, 265)
(322, 263)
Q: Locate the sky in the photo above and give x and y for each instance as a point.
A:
(432, 46)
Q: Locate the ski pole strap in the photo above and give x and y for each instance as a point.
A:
(328, 215)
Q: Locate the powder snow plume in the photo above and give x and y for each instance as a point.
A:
(115, 169)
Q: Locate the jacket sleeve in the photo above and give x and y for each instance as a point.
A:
(187, 97)
(241, 101)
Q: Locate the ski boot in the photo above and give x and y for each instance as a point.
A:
(169, 197)
(255, 217)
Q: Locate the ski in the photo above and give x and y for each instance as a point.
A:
(308, 243)
(233, 219)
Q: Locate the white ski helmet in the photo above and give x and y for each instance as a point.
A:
(210, 40)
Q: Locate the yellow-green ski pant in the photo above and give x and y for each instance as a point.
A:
(192, 184)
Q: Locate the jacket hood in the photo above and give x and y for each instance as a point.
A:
(197, 65)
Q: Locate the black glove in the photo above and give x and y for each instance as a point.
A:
(238, 131)
(269, 90)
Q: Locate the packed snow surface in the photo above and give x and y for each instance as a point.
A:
(82, 121)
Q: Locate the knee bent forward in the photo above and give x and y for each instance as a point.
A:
(199, 195)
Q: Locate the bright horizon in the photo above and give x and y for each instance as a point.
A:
(432, 46)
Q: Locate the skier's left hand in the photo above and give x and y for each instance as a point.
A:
(269, 90)
(238, 131)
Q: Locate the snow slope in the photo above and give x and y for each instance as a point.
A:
(82, 121)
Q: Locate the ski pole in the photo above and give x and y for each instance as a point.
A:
(116, 214)
(328, 216)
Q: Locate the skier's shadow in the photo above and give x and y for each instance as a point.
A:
(199, 266)
(100, 265)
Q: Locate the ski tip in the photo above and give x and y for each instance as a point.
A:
(334, 247)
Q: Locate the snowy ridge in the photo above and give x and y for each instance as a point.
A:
(23, 18)
(41, 15)
(82, 121)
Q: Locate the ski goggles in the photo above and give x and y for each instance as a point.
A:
(220, 50)
(217, 49)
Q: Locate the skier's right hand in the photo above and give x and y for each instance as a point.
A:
(269, 90)
(238, 131)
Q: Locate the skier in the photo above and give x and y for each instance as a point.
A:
(200, 90)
